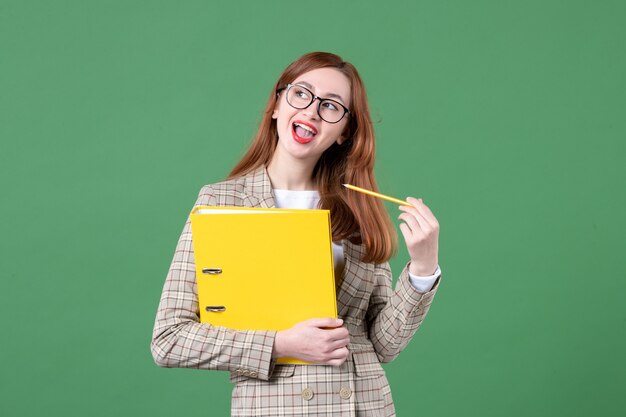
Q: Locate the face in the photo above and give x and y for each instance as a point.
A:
(302, 134)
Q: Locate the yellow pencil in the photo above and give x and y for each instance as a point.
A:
(372, 193)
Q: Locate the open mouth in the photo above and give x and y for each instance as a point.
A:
(303, 132)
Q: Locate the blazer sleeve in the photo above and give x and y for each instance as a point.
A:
(179, 340)
(393, 317)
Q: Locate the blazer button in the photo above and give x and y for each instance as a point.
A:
(239, 371)
(254, 374)
(307, 394)
(246, 372)
(345, 393)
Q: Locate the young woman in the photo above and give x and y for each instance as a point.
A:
(316, 134)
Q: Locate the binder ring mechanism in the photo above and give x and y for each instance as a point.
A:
(213, 271)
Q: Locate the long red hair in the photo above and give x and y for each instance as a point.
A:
(355, 216)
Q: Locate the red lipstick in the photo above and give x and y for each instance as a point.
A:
(302, 135)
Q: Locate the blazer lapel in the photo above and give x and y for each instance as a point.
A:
(258, 189)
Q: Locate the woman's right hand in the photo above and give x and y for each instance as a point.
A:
(321, 341)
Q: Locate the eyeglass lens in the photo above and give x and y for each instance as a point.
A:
(300, 98)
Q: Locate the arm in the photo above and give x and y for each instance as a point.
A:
(393, 317)
(179, 340)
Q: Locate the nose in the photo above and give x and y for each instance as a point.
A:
(312, 111)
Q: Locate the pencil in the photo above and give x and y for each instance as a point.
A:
(373, 194)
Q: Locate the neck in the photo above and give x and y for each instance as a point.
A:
(293, 174)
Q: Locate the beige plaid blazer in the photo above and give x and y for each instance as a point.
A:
(381, 323)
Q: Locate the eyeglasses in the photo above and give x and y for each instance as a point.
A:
(300, 97)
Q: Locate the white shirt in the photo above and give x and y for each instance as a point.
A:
(309, 200)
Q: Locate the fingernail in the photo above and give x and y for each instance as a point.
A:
(339, 322)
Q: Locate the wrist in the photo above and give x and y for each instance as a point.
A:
(279, 349)
(422, 270)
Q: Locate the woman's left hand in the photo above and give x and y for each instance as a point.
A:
(421, 234)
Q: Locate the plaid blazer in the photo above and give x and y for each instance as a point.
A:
(381, 323)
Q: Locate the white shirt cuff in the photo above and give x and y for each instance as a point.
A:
(424, 284)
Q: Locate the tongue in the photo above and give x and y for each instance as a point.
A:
(303, 133)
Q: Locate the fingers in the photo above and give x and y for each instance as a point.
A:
(338, 333)
(338, 357)
(339, 353)
(337, 344)
(423, 209)
(418, 217)
(337, 362)
(333, 345)
(324, 322)
(420, 221)
(406, 232)
(415, 222)
(321, 340)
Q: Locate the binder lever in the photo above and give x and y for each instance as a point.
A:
(212, 271)
(215, 309)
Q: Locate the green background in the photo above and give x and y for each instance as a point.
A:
(507, 117)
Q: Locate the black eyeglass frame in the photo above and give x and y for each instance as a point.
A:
(319, 105)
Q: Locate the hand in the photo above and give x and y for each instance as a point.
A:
(322, 341)
(421, 234)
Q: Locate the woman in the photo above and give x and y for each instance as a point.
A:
(316, 134)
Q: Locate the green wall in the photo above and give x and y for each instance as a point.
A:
(507, 117)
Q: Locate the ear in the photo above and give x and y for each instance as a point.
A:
(275, 112)
(276, 107)
(340, 140)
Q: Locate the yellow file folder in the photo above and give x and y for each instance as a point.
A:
(263, 269)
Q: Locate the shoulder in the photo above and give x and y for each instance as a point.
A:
(248, 190)
(226, 187)
(222, 193)
(234, 191)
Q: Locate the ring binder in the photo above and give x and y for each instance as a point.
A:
(275, 267)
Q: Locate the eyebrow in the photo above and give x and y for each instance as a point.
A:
(329, 95)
